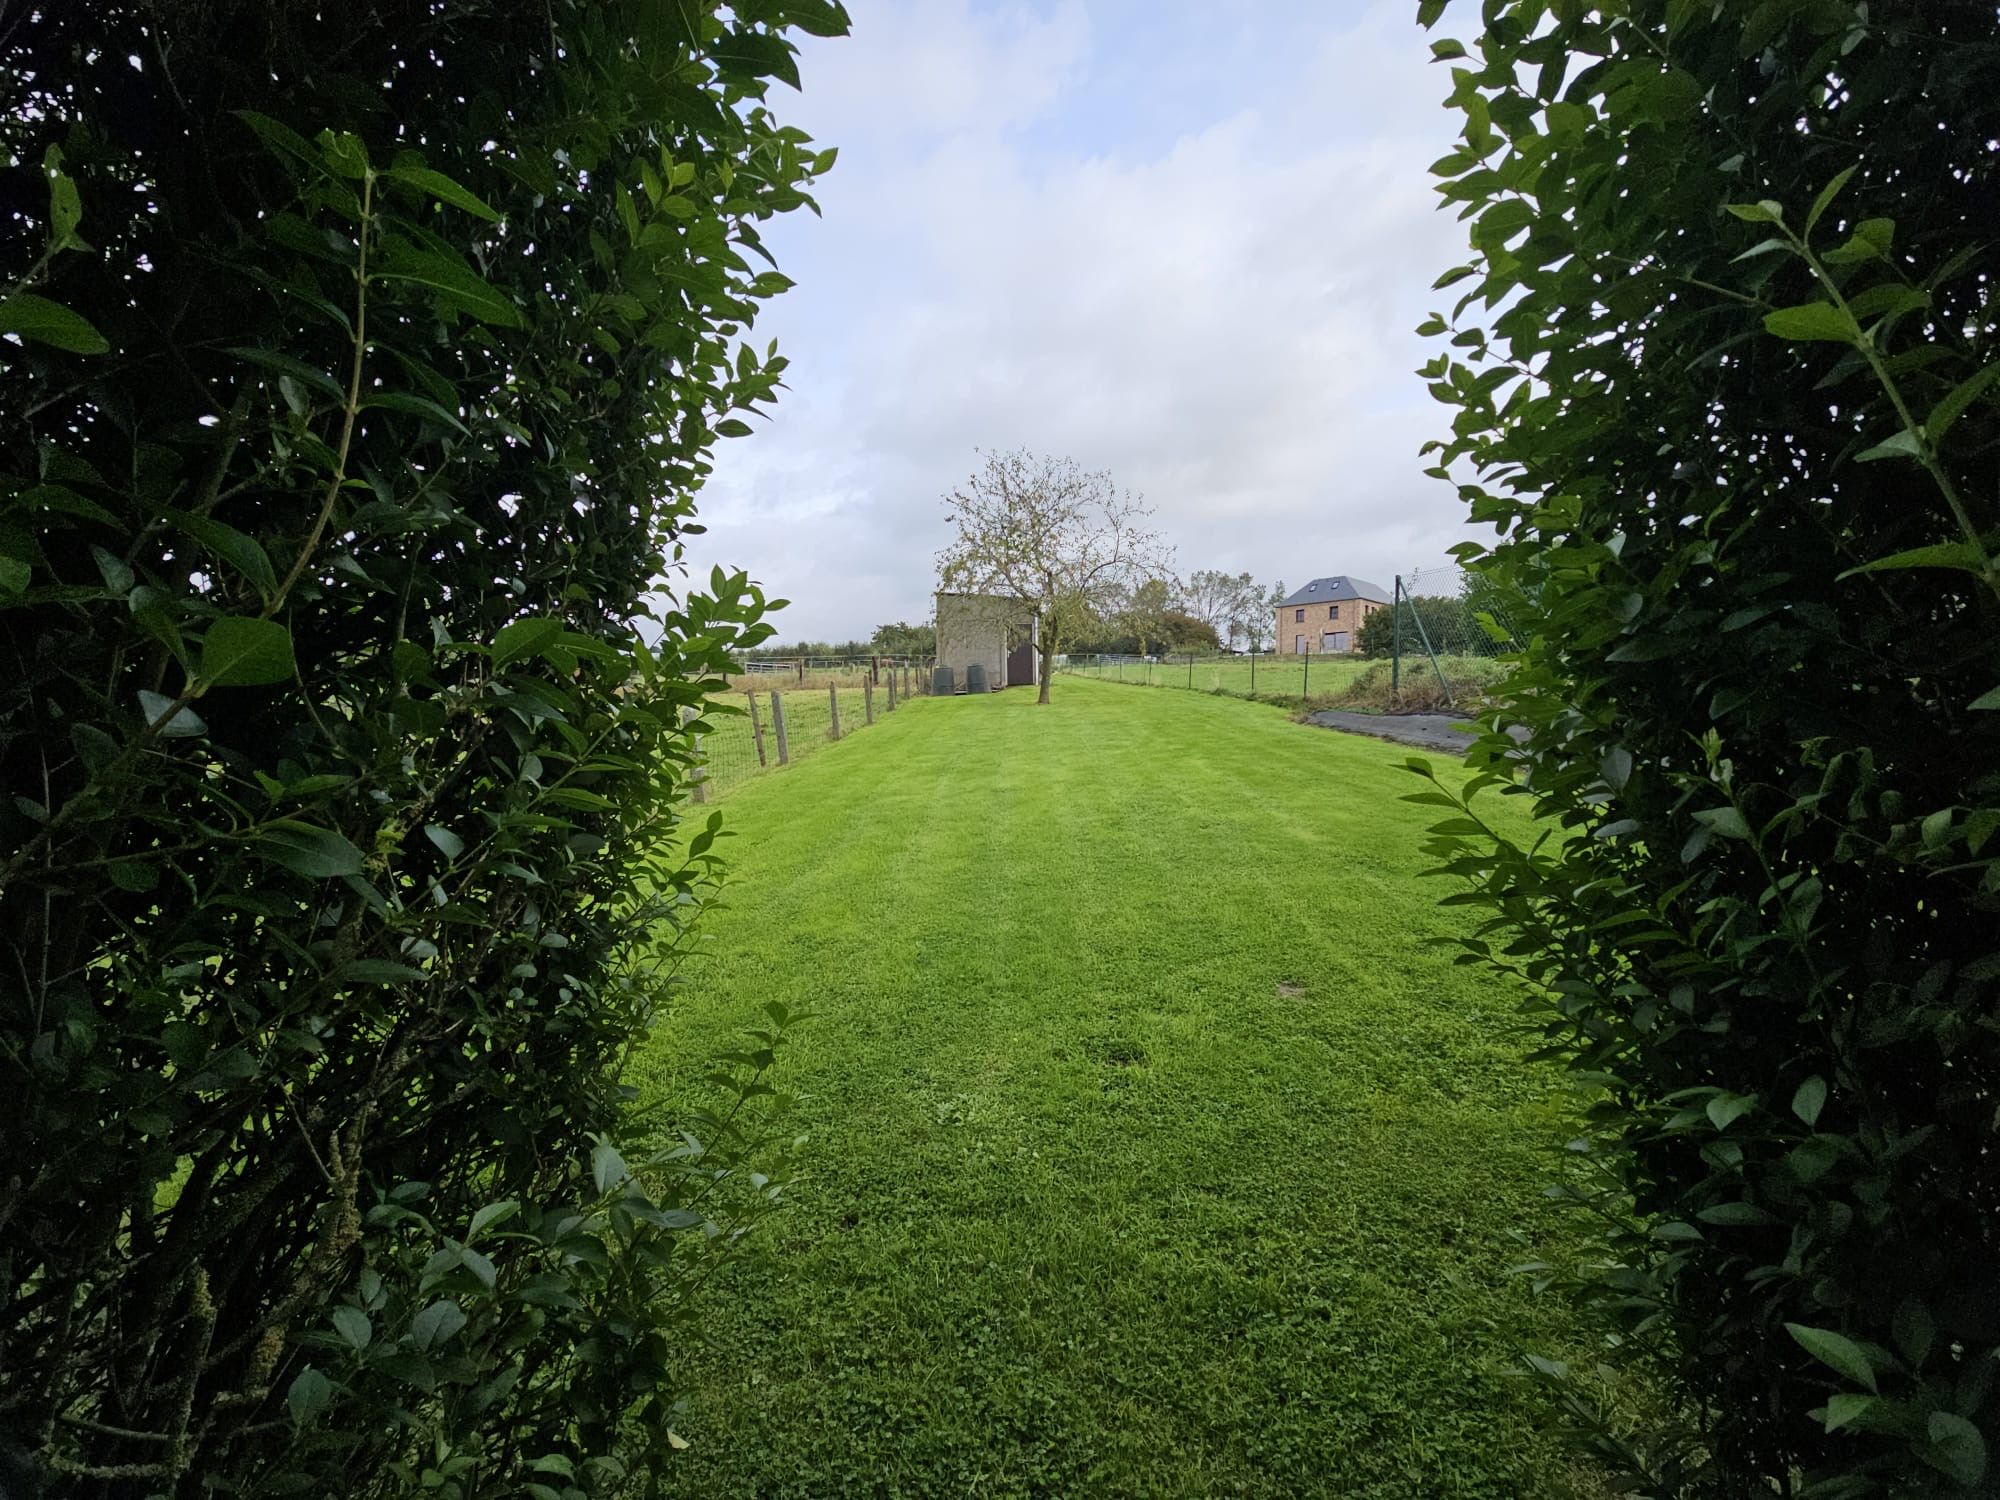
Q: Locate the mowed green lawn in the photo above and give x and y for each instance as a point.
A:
(1151, 1150)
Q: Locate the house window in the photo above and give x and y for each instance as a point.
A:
(1298, 617)
(1333, 611)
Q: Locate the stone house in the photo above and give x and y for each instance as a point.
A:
(1325, 616)
(997, 632)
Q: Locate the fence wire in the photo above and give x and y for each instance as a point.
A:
(1452, 632)
(811, 668)
(1430, 648)
(740, 739)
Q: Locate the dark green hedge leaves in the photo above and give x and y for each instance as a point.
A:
(1723, 402)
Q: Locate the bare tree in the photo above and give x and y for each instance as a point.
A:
(1062, 539)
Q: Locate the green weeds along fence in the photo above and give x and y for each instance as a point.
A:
(745, 733)
(1437, 645)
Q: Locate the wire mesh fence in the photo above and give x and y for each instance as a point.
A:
(751, 730)
(1451, 632)
(1437, 643)
(1245, 675)
(815, 671)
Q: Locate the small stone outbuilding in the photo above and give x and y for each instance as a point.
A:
(999, 633)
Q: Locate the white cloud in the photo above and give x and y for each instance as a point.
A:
(913, 70)
(1019, 248)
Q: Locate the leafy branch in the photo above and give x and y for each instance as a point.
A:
(1840, 319)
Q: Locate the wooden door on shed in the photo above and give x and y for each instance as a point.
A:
(1021, 665)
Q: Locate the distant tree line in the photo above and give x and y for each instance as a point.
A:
(896, 639)
(1205, 611)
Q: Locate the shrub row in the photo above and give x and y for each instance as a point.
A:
(367, 361)
(1722, 373)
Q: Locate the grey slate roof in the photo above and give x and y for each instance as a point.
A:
(1333, 590)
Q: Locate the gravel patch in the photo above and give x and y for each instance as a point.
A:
(1445, 732)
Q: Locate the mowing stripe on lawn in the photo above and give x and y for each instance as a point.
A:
(1152, 1150)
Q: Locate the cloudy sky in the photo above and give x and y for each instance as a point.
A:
(1179, 240)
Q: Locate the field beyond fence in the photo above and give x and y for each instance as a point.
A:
(1438, 645)
(762, 720)
(1345, 680)
(785, 672)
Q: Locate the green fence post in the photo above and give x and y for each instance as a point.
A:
(1425, 636)
(1396, 641)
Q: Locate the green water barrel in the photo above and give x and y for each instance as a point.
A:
(975, 678)
(943, 684)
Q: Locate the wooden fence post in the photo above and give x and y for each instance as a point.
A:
(757, 728)
(778, 724)
(892, 690)
(833, 703)
(868, 699)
